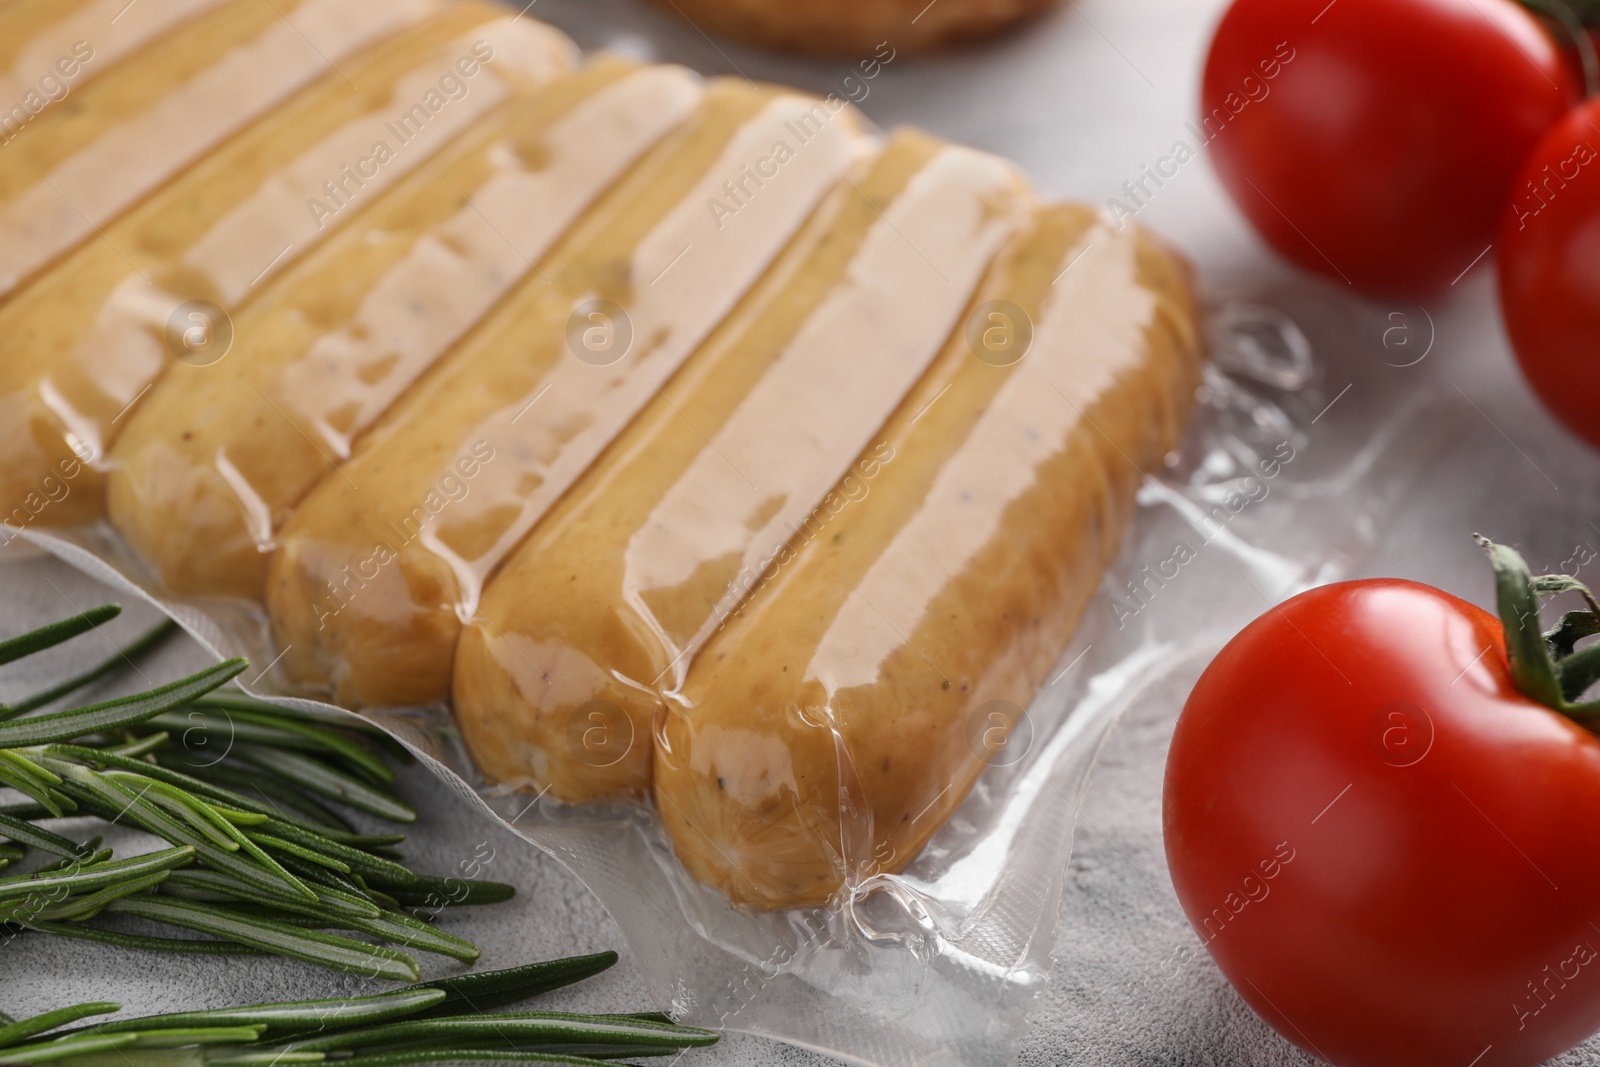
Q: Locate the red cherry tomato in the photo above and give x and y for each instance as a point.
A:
(1550, 270)
(1392, 854)
(1374, 141)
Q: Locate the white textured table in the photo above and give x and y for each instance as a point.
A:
(1081, 100)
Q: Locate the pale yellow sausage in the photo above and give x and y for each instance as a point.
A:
(234, 446)
(838, 719)
(81, 344)
(78, 166)
(379, 567)
(556, 676)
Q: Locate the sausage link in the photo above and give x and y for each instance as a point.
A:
(843, 713)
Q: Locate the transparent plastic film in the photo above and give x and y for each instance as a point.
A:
(559, 674)
(932, 953)
(371, 585)
(90, 337)
(323, 357)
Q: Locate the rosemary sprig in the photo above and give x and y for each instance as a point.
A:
(254, 800)
(411, 1026)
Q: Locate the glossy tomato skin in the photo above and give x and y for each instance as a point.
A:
(1550, 270)
(1392, 855)
(1381, 151)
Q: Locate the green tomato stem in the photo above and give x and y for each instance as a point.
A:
(1545, 665)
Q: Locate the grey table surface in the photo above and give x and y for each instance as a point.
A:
(1081, 100)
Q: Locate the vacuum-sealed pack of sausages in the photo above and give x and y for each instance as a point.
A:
(765, 514)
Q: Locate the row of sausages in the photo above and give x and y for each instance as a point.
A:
(695, 440)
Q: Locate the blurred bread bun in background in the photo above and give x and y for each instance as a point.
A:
(856, 27)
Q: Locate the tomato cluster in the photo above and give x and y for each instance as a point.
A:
(1399, 141)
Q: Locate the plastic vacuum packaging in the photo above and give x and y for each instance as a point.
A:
(764, 515)
(86, 342)
(938, 962)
